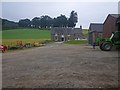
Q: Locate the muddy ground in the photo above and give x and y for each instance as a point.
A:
(60, 65)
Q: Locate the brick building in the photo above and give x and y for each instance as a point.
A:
(110, 25)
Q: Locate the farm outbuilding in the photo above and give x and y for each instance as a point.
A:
(98, 30)
(66, 33)
(118, 23)
(110, 25)
(95, 31)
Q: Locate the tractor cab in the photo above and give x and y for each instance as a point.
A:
(115, 38)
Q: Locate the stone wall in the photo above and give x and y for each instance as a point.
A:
(66, 34)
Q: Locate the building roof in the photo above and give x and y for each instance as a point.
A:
(115, 15)
(118, 20)
(64, 30)
(112, 15)
(96, 27)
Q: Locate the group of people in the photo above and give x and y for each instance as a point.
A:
(3, 48)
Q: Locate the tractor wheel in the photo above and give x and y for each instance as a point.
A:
(107, 46)
(100, 46)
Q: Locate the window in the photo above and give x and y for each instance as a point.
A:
(56, 34)
(56, 38)
(99, 35)
(68, 34)
(116, 36)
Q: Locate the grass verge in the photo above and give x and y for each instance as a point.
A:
(77, 42)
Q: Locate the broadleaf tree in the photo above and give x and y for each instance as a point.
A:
(73, 19)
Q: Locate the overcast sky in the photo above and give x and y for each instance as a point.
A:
(88, 12)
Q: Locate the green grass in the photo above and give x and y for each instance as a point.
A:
(25, 34)
(85, 33)
(10, 37)
(77, 42)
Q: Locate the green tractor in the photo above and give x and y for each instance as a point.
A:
(108, 43)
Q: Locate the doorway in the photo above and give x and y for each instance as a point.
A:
(62, 39)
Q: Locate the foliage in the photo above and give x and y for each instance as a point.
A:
(60, 21)
(73, 19)
(76, 42)
(36, 22)
(46, 41)
(85, 33)
(13, 48)
(6, 24)
(44, 21)
(24, 23)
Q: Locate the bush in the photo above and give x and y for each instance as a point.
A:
(46, 42)
(13, 47)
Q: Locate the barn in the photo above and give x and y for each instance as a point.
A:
(95, 31)
(98, 30)
(110, 25)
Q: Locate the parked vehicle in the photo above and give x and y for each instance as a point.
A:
(106, 44)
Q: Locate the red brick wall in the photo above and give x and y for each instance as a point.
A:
(109, 26)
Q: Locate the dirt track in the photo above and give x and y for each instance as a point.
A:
(60, 66)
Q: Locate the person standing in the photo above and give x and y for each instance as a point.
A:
(94, 44)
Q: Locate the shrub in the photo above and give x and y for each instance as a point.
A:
(13, 47)
(46, 42)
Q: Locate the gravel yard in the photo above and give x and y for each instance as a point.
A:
(60, 65)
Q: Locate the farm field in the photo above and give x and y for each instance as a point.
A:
(25, 34)
(10, 37)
